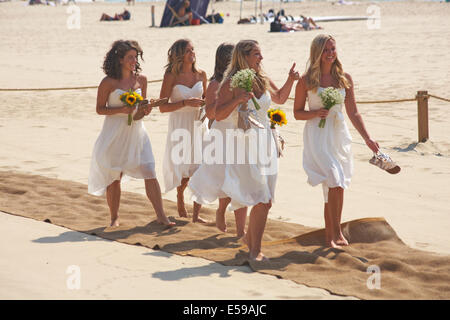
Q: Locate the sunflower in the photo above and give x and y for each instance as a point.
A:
(277, 116)
(131, 99)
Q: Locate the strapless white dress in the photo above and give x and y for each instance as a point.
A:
(246, 184)
(120, 148)
(327, 152)
(183, 129)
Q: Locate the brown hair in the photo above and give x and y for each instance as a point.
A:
(111, 64)
(175, 57)
(223, 58)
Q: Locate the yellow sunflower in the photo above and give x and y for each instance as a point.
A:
(131, 99)
(278, 117)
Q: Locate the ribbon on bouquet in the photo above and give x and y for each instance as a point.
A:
(247, 118)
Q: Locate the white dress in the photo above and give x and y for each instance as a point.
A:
(327, 152)
(120, 148)
(183, 144)
(246, 184)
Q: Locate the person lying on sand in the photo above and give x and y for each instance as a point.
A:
(125, 15)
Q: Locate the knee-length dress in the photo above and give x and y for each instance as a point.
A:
(327, 152)
(247, 183)
(120, 149)
(178, 162)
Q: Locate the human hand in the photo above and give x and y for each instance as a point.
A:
(294, 75)
(244, 96)
(373, 145)
(148, 108)
(194, 102)
(322, 113)
(127, 110)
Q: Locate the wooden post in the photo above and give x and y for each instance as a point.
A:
(422, 115)
(153, 16)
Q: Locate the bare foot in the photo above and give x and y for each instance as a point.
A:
(258, 257)
(165, 221)
(341, 241)
(220, 221)
(332, 244)
(200, 220)
(115, 222)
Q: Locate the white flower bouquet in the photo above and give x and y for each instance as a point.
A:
(243, 79)
(330, 97)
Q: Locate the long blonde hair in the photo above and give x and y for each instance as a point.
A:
(239, 62)
(175, 57)
(312, 75)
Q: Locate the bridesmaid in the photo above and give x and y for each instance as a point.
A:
(327, 156)
(203, 191)
(251, 184)
(120, 148)
(184, 85)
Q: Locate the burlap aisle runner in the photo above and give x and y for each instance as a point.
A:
(296, 252)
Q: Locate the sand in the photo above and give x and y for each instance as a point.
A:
(51, 133)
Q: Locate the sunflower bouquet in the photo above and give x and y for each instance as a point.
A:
(330, 97)
(276, 117)
(131, 99)
(243, 79)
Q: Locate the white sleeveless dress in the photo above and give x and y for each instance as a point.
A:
(184, 132)
(327, 152)
(246, 184)
(120, 148)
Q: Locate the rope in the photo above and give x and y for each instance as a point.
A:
(66, 88)
(440, 98)
(379, 101)
(154, 81)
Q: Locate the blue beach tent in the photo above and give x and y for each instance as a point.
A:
(198, 8)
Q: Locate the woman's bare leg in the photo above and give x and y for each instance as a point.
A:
(180, 198)
(195, 216)
(256, 226)
(240, 216)
(220, 214)
(154, 195)
(113, 193)
(335, 204)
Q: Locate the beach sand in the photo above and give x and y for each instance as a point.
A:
(52, 133)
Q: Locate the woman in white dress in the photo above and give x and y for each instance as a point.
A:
(121, 149)
(184, 85)
(248, 183)
(327, 155)
(199, 183)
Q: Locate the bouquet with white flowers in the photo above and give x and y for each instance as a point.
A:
(243, 79)
(330, 97)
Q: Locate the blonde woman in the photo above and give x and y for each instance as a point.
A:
(184, 85)
(203, 182)
(327, 156)
(250, 183)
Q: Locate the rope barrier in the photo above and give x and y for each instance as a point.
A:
(67, 88)
(440, 98)
(155, 81)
